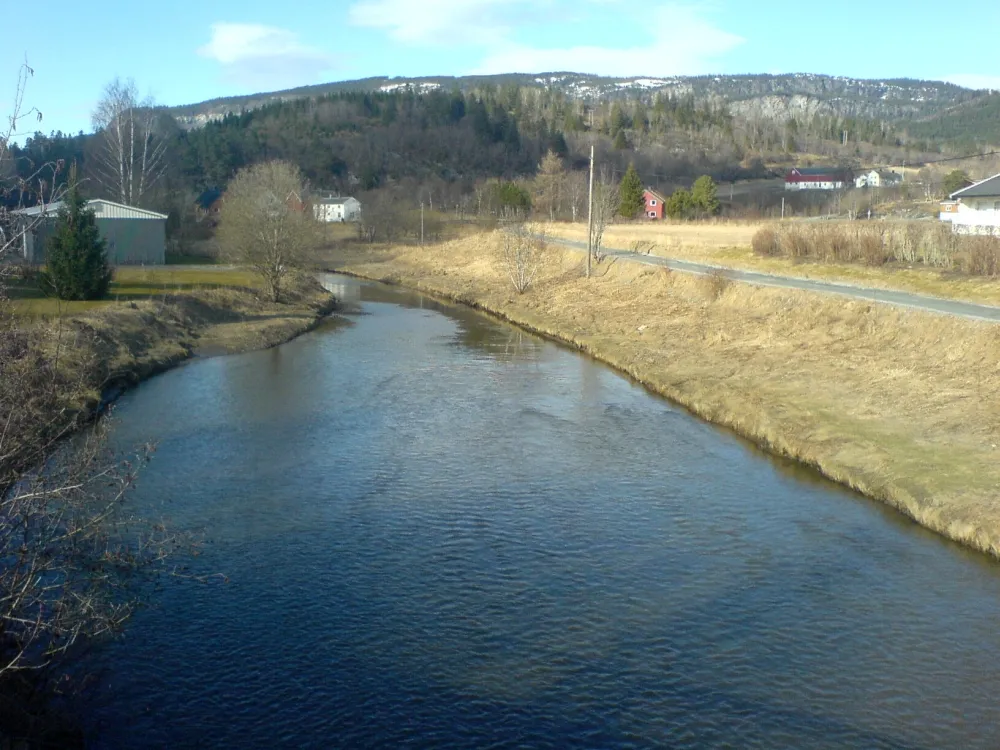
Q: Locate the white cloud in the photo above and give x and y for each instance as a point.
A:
(683, 43)
(437, 21)
(974, 81)
(264, 55)
(680, 39)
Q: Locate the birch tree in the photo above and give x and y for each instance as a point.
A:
(263, 224)
(132, 155)
(607, 200)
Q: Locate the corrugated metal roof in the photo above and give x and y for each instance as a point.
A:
(101, 208)
(816, 171)
(988, 188)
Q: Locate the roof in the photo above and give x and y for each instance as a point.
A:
(334, 201)
(825, 177)
(207, 198)
(656, 194)
(988, 188)
(104, 209)
(816, 171)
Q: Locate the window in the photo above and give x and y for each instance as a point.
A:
(652, 202)
(652, 214)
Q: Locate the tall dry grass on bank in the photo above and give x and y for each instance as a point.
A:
(901, 405)
(932, 245)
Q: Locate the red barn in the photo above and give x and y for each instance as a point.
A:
(655, 205)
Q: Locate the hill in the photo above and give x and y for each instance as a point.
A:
(794, 95)
(971, 124)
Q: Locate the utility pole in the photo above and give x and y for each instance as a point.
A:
(590, 212)
(421, 222)
(782, 207)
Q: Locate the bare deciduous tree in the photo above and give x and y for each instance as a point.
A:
(522, 252)
(264, 224)
(71, 553)
(132, 155)
(549, 185)
(606, 202)
(576, 189)
(22, 184)
(381, 218)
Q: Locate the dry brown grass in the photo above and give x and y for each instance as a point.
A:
(903, 406)
(126, 342)
(927, 261)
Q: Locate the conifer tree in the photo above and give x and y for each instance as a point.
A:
(704, 195)
(76, 265)
(632, 194)
(679, 205)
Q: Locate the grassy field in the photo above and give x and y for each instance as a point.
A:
(728, 244)
(901, 405)
(131, 283)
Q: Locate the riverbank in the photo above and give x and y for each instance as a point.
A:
(900, 405)
(113, 347)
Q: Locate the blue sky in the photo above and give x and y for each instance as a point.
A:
(190, 51)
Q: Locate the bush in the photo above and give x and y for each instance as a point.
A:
(765, 243)
(982, 256)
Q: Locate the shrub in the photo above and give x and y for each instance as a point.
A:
(871, 245)
(982, 256)
(765, 242)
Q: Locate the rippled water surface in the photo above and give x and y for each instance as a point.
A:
(441, 532)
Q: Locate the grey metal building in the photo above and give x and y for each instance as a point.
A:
(133, 235)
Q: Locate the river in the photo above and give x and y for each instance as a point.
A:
(439, 531)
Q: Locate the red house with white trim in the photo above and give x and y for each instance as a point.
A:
(655, 204)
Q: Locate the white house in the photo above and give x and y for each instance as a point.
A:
(337, 209)
(878, 178)
(975, 209)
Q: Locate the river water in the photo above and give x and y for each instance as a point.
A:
(439, 531)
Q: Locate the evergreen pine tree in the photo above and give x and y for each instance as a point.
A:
(680, 205)
(632, 193)
(621, 142)
(704, 195)
(76, 266)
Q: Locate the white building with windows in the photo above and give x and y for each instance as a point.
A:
(975, 209)
(878, 178)
(337, 209)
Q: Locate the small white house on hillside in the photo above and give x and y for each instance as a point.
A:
(878, 178)
(975, 209)
(337, 209)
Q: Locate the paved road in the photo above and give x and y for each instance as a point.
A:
(885, 296)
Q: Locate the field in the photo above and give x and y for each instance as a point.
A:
(131, 283)
(901, 405)
(728, 244)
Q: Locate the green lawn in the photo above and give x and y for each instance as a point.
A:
(130, 284)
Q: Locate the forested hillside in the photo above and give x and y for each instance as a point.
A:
(846, 97)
